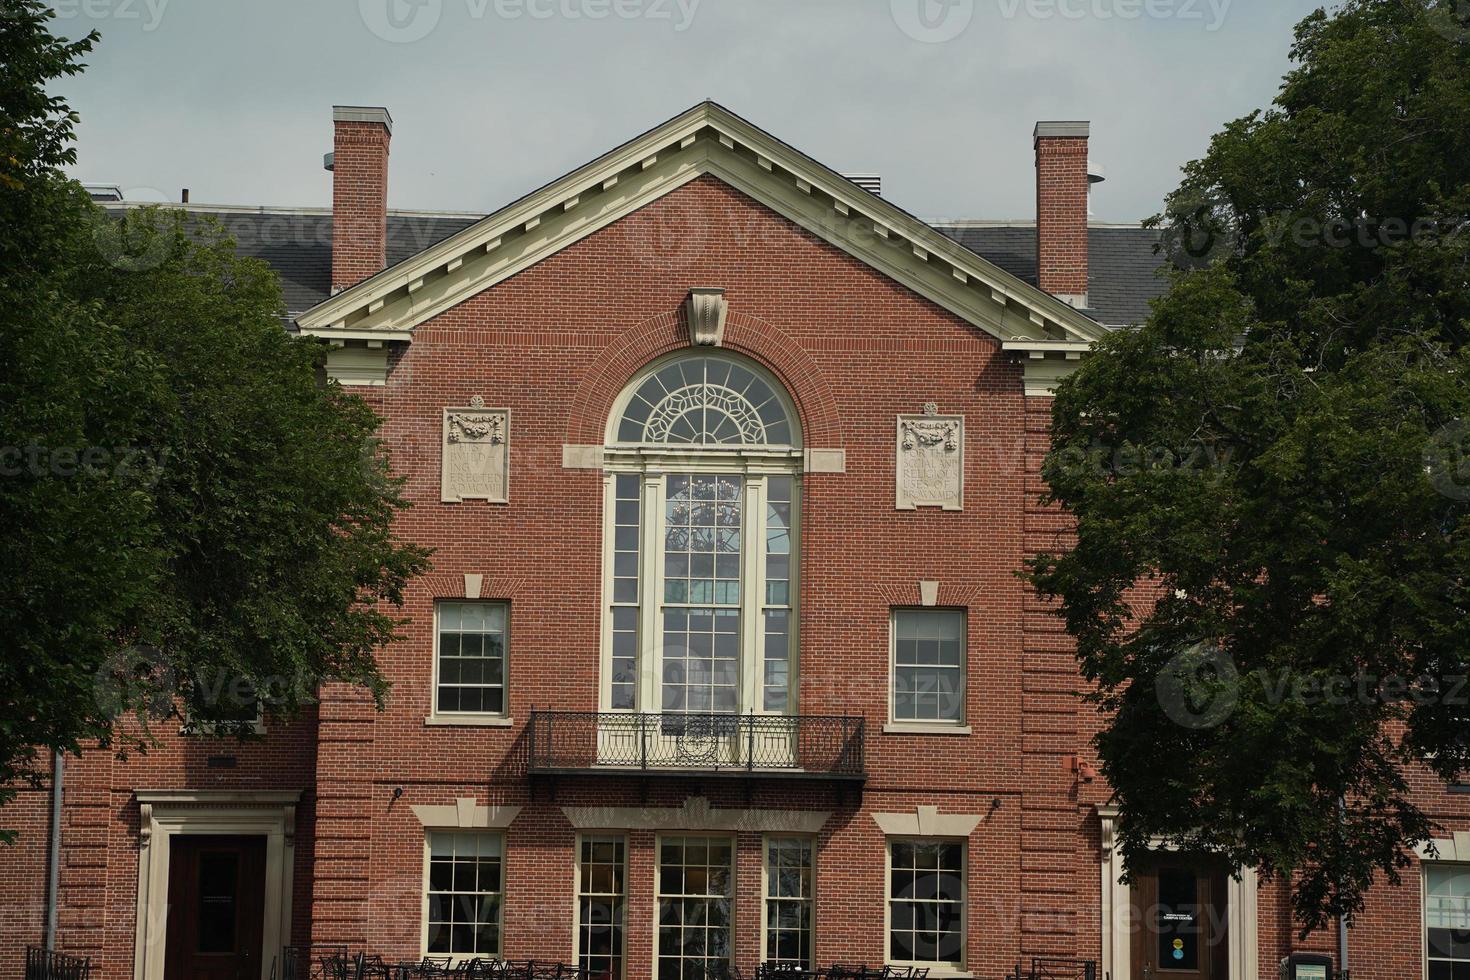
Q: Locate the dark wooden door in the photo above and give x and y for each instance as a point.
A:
(1180, 932)
(216, 907)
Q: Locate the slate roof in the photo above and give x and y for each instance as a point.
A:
(1122, 265)
(297, 243)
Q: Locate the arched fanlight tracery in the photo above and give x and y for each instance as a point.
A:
(706, 400)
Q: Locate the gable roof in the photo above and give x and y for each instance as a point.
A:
(707, 139)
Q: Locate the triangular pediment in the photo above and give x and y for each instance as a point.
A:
(707, 139)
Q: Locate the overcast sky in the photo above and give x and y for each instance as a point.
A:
(492, 98)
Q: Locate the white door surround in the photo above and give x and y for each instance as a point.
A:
(162, 813)
(1116, 918)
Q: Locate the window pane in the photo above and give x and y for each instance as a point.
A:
(789, 901)
(926, 902)
(695, 897)
(928, 665)
(1447, 920)
(464, 886)
(600, 907)
(471, 657)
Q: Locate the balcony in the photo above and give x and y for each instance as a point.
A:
(806, 747)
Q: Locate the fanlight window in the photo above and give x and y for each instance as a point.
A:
(705, 401)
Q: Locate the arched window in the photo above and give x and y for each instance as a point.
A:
(705, 400)
(702, 492)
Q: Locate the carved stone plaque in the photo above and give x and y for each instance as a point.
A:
(475, 454)
(931, 460)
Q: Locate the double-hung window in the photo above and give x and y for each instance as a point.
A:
(601, 897)
(469, 659)
(696, 894)
(926, 902)
(1447, 920)
(928, 666)
(789, 901)
(463, 895)
(701, 499)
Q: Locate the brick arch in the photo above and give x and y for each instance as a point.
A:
(758, 339)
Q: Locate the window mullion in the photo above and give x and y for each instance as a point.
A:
(651, 586)
(752, 596)
(609, 522)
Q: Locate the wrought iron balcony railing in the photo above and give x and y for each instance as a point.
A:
(781, 746)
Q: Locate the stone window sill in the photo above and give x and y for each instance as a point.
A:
(913, 728)
(469, 721)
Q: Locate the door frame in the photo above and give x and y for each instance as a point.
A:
(256, 813)
(1241, 921)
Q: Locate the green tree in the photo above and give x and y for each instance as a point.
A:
(191, 515)
(1269, 480)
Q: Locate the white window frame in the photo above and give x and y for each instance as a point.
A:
(424, 894)
(578, 892)
(653, 464)
(936, 967)
(1424, 868)
(767, 897)
(496, 718)
(960, 725)
(658, 893)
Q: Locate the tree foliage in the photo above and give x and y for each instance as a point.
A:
(1269, 479)
(191, 515)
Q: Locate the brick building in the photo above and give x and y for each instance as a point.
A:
(728, 464)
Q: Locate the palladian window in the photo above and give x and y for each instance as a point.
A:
(702, 492)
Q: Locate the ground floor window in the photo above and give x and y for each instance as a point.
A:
(789, 901)
(1447, 920)
(601, 891)
(926, 902)
(463, 894)
(696, 891)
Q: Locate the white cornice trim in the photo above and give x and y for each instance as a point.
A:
(696, 814)
(707, 139)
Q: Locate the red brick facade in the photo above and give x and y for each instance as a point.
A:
(556, 344)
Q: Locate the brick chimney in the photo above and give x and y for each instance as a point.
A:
(359, 165)
(1061, 209)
